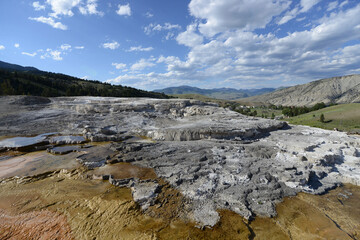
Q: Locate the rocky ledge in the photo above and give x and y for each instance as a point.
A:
(216, 158)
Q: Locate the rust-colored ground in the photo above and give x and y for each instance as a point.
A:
(34, 225)
(35, 163)
(82, 208)
(125, 170)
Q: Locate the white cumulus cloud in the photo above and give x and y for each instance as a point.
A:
(142, 64)
(38, 7)
(50, 21)
(124, 10)
(17, 45)
(63, 7)
(235, 14)
(119, 65)
(242, 58)
(189, 37)
(55, 54)
(2, 47)
(111, 45)
(90, 7)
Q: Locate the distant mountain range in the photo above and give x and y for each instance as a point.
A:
(218, 93)
(344, 89)
(19, 80)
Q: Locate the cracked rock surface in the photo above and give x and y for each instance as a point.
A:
(216, 158)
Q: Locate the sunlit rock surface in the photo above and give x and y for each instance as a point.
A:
(216, 158)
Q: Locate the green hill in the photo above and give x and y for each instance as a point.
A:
(345, 117)
(18, 80)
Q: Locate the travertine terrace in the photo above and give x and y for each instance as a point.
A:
(216, 158)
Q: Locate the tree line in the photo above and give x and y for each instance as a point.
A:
(48, 84)
(295, 111)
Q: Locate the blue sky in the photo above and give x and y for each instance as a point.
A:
(151, 44)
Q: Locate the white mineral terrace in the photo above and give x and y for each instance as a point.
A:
(217, 158)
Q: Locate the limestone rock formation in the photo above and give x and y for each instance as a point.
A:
(218, 159)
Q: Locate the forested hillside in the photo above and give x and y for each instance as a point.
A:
(40, 83)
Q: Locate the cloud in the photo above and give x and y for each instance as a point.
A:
(65, 47)
(29, 54)
(54, 54)
(38, 7)
(169, 35)
(289, 15)
(17, 45)
(65, 8)
(248, 15)
(2, 47)
(140, 49)
(246, 59)
(153, 80)
(90, 8)
(303, 7)
(142, 64)
(189, 37)
(62, 7)
(79, 47)
(152, 27)
(306, 5)
(149, 15)
(332, 6)
(111, 45)
(344, 3)
(85, 78)
(50, 21)
(119, 65)
(124, 10)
